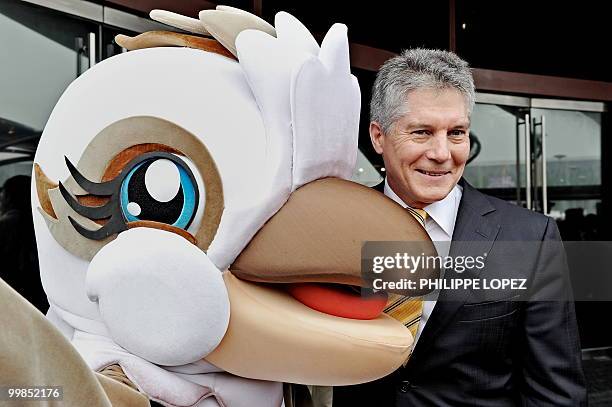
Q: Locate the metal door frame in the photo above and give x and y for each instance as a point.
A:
(527, 103)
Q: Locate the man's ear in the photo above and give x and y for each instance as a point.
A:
(377, 137)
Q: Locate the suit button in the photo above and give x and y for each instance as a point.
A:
(405, 386)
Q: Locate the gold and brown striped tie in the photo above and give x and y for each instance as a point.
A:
(407, 310)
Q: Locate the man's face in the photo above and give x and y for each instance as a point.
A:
(426, 149)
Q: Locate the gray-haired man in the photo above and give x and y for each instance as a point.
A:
(468, 351)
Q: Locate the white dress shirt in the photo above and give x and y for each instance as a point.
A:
(439, 225)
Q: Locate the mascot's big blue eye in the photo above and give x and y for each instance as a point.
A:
(160, 190)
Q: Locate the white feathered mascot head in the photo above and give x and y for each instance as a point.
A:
(183, 196)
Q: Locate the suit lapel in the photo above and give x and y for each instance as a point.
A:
(474, 235)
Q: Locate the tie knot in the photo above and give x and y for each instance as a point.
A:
(419, 214)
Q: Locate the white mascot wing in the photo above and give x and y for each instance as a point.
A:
(325, 105)
(318, 88)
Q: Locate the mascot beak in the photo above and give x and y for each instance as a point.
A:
(315, 240)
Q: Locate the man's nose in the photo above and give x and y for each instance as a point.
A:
(438, 149)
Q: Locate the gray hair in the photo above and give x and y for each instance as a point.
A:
(415, 69)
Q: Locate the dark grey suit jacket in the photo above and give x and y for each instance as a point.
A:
(491, 353)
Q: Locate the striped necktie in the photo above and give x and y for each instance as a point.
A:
(407, 310)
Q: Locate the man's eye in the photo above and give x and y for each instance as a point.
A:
(420, 132)
(457, 133)
(159, 190)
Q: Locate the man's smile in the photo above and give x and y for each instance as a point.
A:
(433, 173)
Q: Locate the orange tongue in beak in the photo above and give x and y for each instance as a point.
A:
(339, 300)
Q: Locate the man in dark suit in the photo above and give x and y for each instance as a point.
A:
(471, 350)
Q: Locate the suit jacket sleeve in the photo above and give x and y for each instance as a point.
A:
(550, 351)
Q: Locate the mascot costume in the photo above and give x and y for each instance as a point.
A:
(198, 237)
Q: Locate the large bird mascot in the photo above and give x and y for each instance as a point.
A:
(199, 241)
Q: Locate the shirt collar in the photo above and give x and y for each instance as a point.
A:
(443, 212)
